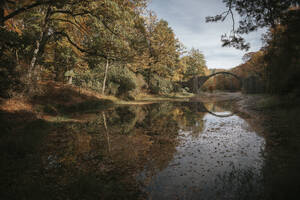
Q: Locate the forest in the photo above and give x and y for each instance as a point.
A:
(121, 48)
(117, 48)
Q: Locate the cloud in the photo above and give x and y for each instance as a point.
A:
(187, 19)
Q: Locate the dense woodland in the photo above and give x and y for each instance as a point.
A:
(121, 48)
(114, 47)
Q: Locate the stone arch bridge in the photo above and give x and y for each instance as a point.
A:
(194, 84)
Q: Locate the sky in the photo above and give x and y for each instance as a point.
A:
(187, 19)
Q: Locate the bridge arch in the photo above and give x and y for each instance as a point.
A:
(198, 82)
(228, 73)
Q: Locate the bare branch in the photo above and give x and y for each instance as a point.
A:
(87, 51)
(85, 12)
(23, 9)
(90, 52)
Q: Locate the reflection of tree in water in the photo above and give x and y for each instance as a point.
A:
(93, 165)
(123, 119)
(115, 145)
(160, 125)
(100, 157)
(192, 117)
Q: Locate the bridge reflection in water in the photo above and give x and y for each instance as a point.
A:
(200, 107)
(170, 150)
(222, 161)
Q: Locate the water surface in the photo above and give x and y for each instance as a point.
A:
(221, 159)
(166, 150)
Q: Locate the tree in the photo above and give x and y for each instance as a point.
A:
(10, 9)
(195, 64)
(90, 28)
(282, 53)
(253, 15)
(163, 49)
(255, 63)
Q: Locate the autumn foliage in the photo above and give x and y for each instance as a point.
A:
(107, 46)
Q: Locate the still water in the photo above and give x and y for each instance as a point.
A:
(167, 150)
(217, 156)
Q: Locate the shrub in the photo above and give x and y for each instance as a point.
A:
(120, 80)
(91, 79)
(10, 79)
(10, 72)
(112, 88)
(160, 85)
(125, 78)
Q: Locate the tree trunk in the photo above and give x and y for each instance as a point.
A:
(2, 3)
(105, 77)
(17, 57)
(34, 57)
(106, 130)
(38, 45)
(70, 80)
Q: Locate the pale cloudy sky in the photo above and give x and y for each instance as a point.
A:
(187, 19)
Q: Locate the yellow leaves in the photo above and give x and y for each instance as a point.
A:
(177, 113)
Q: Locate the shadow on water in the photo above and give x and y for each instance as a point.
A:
(170, 150)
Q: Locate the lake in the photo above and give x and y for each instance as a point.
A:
(162, 150)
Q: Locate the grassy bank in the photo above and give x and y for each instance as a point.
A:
(59, 102)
